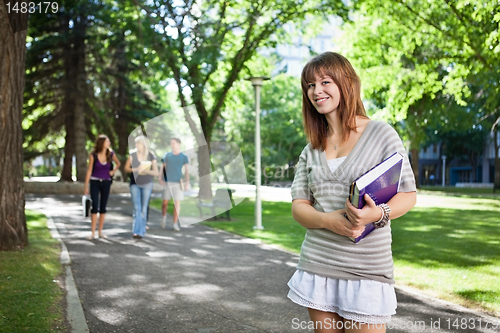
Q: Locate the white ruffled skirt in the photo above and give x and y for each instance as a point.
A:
(364, 301)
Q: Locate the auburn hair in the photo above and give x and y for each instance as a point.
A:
(99, 145)
(344, 76)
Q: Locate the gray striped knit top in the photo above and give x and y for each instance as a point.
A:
(326, 253)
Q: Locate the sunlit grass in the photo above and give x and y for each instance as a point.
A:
(465, 191)
(188, 206)
(30, 299)
(279, 226)
(453, 253)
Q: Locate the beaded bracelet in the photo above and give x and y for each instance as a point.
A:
(385, 216)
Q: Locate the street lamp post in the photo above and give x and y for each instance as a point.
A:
(257, 83)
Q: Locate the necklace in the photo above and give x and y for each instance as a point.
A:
(334, 145)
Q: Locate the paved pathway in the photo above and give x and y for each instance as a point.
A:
(198, 280)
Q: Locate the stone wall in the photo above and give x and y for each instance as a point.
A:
(74, 187)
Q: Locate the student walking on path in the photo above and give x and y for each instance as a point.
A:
(142, 167)
(171, 177)
(100, 172)
(346, 286)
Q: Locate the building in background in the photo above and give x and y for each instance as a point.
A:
(295, 55)
(458, 170)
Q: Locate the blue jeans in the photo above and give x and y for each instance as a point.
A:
(140, 200)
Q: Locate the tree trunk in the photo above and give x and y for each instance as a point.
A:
(74, 100)
(79, 97)
(415, 165)
(67, 169)
(121, 123)
(497, 163)
(204, 170)
(13, 229)
(68, 107)
(204, 160)
(121, 126)
(473, 159)
(414, 113)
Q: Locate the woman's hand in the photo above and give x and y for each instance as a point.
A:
(336, 222)
(306, 215)
(111, 173)
(366, 215)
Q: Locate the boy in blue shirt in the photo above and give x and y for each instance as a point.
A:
(171, 170)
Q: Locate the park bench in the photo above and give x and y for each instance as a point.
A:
(223, 199)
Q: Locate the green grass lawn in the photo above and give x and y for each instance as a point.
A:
(188, 206)
(30, 298)
(447, 246)
(452, 190)
(452, 253)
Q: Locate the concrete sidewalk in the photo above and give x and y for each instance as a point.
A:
(200, 279)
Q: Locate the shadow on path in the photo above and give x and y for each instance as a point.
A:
(196, 280)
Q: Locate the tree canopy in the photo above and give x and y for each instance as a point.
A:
(109, 66)
(423, 60)
(206, 46)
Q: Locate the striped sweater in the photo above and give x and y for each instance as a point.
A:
(326, 253)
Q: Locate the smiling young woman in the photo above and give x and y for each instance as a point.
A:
(330, 68)
(339, 281)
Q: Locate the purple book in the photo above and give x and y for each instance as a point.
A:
(381, 183)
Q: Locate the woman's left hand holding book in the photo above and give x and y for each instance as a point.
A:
(368, 214)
